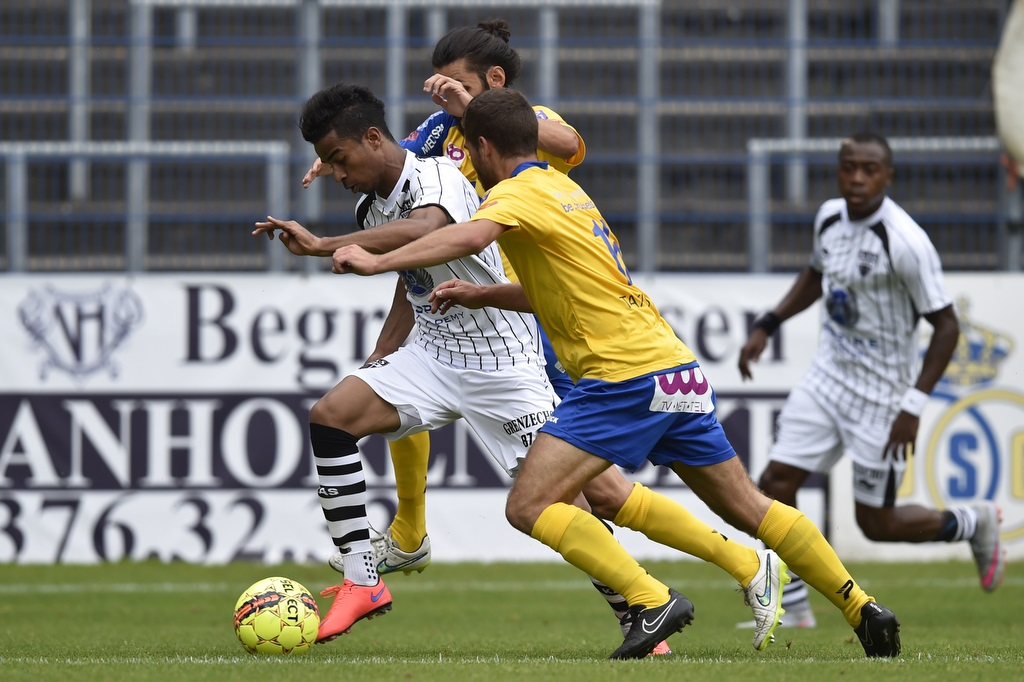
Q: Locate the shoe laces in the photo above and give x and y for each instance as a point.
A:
(379, 541)
(746, 594)
(629, 617)
(333, 590)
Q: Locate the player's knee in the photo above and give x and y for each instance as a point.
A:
(875, 524)
(320, 413)
(518, 515)
(780, 484)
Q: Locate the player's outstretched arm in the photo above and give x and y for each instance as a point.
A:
(316, 170)
(297, 238)
(440, 246)
(380, 239)
(804, 292)
(460, 292)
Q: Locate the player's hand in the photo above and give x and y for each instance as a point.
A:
(297, 238)
(751, 351)
(456, 292)
(902, 436)
(318, 169)
(448, 93)
(354, 259)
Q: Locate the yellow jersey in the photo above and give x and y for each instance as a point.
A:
(441, 135)
(601, 325)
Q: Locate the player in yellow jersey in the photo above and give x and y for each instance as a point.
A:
(639, 394)
(468, 61)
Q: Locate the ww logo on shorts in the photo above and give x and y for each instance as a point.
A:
(686, 390)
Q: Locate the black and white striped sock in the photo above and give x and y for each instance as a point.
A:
(342, 496)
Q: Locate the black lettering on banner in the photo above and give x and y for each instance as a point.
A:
(200, 528)
(359, 332)
(104, 526)
(713, 324)
(242, 551)
(10, 528)
(198, 319)
(316, 329)
(268, 322)
(72, 506)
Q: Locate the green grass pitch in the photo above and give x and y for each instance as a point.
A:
(167, 622)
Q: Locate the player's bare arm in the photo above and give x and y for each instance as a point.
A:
(386, 237)
(468, 295)
(297, 238)
(448, 93)
(557, 138)
(945, 334)
(316, 170)
(440, 246)
(804, 292)
(397, 326)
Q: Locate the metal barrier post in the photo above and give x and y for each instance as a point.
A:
(648, 163)
(140, 90)
(79, 86)
(398, 17)
(277, 203)
(796, 97)
(758, 229)
(17, 213)
(548, 58)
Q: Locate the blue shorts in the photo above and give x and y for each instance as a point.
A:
(666, 416)
(560, 380)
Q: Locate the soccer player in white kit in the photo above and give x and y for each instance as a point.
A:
(480, 365)
(877, 273)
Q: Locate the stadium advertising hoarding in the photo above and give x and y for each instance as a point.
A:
(166, 416)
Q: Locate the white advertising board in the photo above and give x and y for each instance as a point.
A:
(166, 416)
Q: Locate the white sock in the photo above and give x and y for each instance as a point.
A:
(359, 568)
(966, 522)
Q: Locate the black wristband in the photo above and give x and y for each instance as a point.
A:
(769, 322)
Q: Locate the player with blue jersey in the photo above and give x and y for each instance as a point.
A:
(639, 394)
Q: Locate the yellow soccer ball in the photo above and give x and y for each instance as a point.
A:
(276, 616)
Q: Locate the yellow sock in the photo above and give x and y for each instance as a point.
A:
(808, 554)
(667, 522)
(586, 544)
(410, 457)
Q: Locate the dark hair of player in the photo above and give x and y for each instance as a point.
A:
(868, 136)
(482, 46)
(348, 110)
(505, 118)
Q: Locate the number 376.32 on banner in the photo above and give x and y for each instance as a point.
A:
(208, 527)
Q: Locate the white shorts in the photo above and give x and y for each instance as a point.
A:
(504, 408)
(812, 435)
